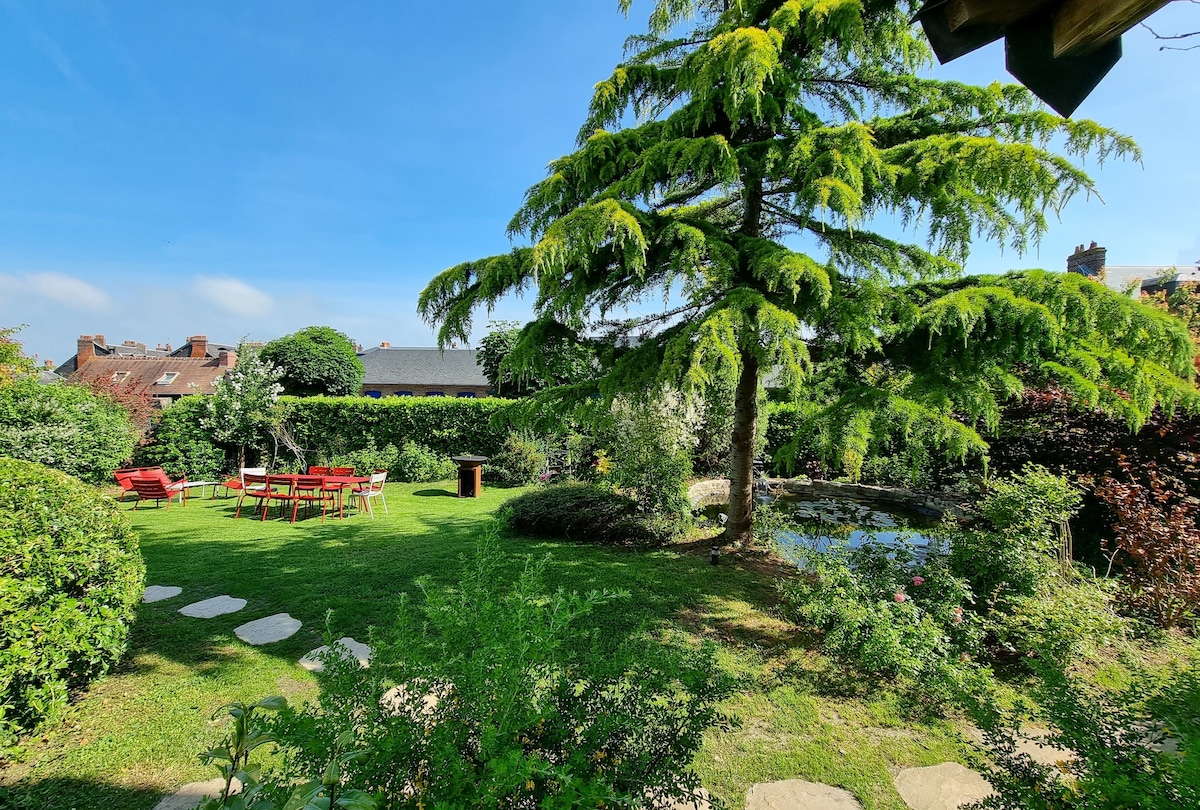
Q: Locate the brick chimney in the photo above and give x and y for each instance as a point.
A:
(226, 358)
(85, 351)
(1087, 261)
(49, 364)
(199, 346)
(385, 345)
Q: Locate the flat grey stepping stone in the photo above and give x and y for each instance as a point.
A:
(796, 794)
(312, 659)
(188, 796)
(268, 629)
(157, 593)
(948, 786)
(217, 606)
(1032, 743)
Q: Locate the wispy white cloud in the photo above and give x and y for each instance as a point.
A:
(234, 296)
(62, 289)
(48, 47)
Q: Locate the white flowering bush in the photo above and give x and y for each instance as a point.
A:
(653, 439)
(239, 411)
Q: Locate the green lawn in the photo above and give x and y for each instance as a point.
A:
(135, 735)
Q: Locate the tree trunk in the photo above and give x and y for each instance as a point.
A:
(741, 474)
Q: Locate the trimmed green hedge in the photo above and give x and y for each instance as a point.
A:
(70, 579)
(328, 426)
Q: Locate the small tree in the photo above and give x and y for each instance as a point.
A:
(13, 362)
(562, 362)
(314, 361)
(239, 410)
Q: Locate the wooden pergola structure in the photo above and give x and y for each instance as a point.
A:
(1059, 49)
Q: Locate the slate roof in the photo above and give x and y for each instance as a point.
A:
(388, 366)
(194, 375)
(140, 350)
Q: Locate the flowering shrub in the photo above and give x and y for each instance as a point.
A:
(239, 411)
(887, 616)
(653, 438)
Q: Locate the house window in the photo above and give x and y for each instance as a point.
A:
(167, 378)
(373, 394)
(119, 376)
(403, 394)
(435, 393)
(466, 394)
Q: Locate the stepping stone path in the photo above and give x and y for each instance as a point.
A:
(312, 660)
(948, 786)
(217, 606)
(268, 629)
(796, 794)
(157, 593)
(188, 796)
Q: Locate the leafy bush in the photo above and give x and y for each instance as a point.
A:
(652, 439)
(70, 578)
(181, 445)
(371, 458)
(589, 514)
(887, 616)
(502, 697)
(520, 462)
(1159, 543)
(1117, 742)
(65, 427)
(418, 463)
(1014, 554)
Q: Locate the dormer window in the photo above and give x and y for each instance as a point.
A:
(119, 376)
(167, 378)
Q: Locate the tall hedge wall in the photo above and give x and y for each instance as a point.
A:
(451, 426)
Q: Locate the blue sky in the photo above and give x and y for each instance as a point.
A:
(244, 169)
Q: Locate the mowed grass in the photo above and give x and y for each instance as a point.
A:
(134, 735)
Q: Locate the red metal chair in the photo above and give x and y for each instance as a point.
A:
(342, 471)
(254, 486)
(318, 470)
(155, 489)
(280, 488)
(310, 490)
(125, 477)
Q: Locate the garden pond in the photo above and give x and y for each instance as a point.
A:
(831, 522)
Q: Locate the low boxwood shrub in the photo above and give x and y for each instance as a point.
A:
(70, 578)
(590, 514)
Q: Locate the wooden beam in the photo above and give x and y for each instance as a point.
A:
(962, 13)
(1081, 26)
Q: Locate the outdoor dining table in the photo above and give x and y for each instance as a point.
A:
(327, 482)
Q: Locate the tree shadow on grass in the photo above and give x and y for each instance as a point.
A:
(83, 793)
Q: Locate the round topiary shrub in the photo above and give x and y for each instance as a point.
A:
(70, 578)
(589, 514)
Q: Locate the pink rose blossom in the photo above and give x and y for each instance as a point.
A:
(918, 581)
(899, 597)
